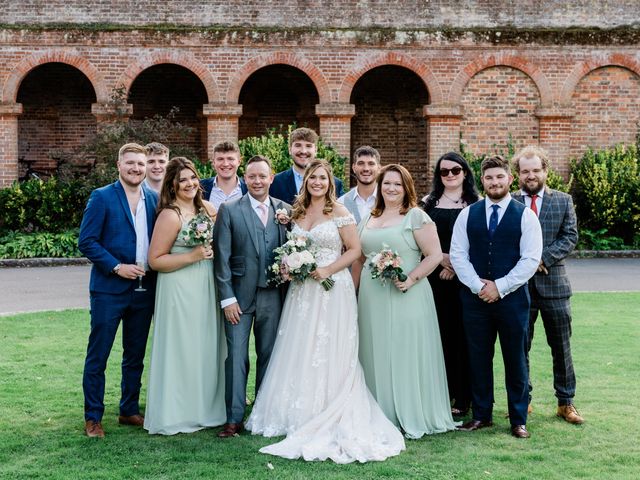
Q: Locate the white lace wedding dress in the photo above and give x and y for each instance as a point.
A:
(314, 389)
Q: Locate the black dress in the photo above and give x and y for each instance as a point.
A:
(446, 294)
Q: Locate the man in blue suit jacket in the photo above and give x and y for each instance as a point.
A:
(115, 234)
(225, 185)
(302, 148)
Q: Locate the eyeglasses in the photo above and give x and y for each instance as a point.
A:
(444, 172)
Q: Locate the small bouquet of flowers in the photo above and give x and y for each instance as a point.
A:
(294, 261)
(282, 216)
(198, 231)
(386, 265)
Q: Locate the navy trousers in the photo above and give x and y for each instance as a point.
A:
(508, 319)
(135, 310)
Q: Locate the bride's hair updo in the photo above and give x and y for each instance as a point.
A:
(303, 199)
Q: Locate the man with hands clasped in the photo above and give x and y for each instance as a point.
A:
(495, 249)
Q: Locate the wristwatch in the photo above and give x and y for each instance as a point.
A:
(116, 269)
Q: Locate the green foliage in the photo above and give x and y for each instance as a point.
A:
(40, 244)
(275, 146)
(600, 240)
(607, 192)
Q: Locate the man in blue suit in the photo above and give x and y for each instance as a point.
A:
(226, 185)
(115, 234)
(302, 148)
(495, 249)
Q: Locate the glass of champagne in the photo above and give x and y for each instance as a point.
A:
(140, 288)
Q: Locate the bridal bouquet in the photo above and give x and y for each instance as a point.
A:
(198, 231)
(294, 261)
(385, 265)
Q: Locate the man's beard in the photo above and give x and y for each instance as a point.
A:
(532, 191)
(497, 194)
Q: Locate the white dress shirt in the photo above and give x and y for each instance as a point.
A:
(530, 250)
(365, 205)
(217, 196)
(527, 199)
(254, 206)
(142, 235)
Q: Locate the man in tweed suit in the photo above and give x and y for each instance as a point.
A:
(361, 199)
(550, 288)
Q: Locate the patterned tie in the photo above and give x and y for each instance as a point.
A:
(263, 213)
(534, 207)
(493, 220)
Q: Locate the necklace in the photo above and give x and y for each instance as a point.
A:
(454, 201)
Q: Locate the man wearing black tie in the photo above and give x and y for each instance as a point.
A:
(550, 288)
(495, 250)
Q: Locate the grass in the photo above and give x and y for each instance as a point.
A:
(41, 421)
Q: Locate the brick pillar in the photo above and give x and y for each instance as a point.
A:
(222, 123)
(9, 113)
(335, 128)
(555, 135)
(443, 126)
(108, 113)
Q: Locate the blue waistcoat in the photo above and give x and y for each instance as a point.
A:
(494, 258)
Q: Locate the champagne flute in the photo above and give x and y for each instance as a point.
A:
(140, 288)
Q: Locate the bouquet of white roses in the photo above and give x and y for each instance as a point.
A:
(386, 265)
(198, 231)
(294, 261)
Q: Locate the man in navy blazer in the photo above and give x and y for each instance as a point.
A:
(302, 148)
(115, 234)
(225, 185)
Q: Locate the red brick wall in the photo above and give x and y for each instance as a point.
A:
(56, 100)
(607, 109)
(389, 103)
(499, 102)
(274, 97)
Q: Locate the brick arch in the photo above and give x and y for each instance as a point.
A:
(585, 68)
(391, 58)
(174, 57)
(279, 58)
(69, 57)
(506, 60)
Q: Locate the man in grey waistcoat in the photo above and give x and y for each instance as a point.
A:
(361, 199)
(245, 234)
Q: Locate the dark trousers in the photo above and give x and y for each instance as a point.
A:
(135, 309)
(556, 318)
(264, 319)
(508, 319)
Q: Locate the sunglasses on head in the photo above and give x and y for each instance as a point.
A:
(444, 172)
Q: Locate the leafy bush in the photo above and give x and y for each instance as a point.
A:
(275, 146)
(600, 240)
(607, 192)
(40, 244)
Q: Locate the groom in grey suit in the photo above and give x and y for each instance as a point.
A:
(550, 288)
(245, 234)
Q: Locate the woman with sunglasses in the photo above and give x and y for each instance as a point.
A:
(453, 189)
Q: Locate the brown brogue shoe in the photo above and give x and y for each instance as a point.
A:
(473, 425)
(93, 429)
(135, 420)
(570, 414)
(520, 431)
(230, 430)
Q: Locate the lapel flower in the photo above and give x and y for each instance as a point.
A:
(282, 217)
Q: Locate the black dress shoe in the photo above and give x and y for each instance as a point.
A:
(520, 431)
(474, 425)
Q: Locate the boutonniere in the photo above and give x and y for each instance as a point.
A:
(282, 217)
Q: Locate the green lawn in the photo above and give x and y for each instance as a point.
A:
(41, 421)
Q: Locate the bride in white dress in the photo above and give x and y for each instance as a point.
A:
(314, 390)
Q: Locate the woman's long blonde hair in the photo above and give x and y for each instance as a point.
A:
(303, 200)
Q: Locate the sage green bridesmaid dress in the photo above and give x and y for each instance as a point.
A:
(186, 378)
(400, 348)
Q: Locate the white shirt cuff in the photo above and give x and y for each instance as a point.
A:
(228, 301)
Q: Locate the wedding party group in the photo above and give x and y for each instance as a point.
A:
(374, 313)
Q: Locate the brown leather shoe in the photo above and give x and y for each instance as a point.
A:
(135, 420)
(570, 414)
(520, 431)
(473, 425)
(230, 430)
(93, 429)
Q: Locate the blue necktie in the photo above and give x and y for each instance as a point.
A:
(493, 220)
